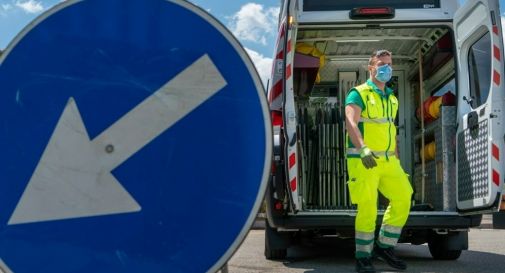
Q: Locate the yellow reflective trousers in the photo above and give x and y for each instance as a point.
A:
(390, 179)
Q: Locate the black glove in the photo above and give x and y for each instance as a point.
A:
(367, 157)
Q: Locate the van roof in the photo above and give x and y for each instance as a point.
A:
(328, 11)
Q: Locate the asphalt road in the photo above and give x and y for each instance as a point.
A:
(486, 254)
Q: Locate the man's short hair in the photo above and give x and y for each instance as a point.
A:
(378, 53)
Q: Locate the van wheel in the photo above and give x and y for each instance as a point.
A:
(440, 248)
(439, 253)
(275, 254)
(276, 243)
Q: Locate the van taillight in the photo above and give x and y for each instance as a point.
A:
(276, 118)
(278, 205)
(372, 13)
(274, 168)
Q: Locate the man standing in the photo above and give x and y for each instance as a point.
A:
(373, 165)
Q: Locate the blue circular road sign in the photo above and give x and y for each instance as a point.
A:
(135, 137)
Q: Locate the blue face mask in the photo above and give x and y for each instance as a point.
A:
(384, 73)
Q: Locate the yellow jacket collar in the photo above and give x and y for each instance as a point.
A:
(377, 90)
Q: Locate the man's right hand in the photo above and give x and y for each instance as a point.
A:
(368, 157)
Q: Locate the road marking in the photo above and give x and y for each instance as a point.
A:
(73, 177)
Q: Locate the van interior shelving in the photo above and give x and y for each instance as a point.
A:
(319, 99)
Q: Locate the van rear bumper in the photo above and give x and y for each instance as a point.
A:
(417, 220)
(346, 222)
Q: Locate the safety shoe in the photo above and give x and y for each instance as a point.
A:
(364, 265)
(388, 255)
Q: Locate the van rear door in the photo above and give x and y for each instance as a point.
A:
(290, 118)
(282, 102)
(480, 137)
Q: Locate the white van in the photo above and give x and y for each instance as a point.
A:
(447, 58)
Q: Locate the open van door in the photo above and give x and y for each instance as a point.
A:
(282, 103)
(290, 115)
(481, 107)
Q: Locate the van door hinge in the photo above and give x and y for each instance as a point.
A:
(278, 65)
(493, 18)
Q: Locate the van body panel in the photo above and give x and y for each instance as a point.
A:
(481, 104)
(302, 222)
(444, 12)
(275, 92)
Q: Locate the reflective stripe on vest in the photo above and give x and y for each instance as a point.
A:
(355, 151)
(376, 120)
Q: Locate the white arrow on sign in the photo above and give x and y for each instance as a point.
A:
(73, 177)
(3, 267)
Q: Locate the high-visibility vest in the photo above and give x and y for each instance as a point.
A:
(377, 122)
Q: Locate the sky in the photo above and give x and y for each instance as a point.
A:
(253, 22)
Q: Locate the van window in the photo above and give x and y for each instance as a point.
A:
(479, 65)
(326, 5)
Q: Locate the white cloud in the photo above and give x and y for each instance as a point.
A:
(30, 6)
(6, 7)
(262, 63)
(254, 23)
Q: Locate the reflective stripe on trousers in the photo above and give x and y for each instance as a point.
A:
(389, 235)
(364, 244)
